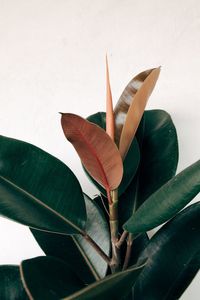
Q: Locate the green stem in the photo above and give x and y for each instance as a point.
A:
(128, 252)
(114, 225)
(122, 239)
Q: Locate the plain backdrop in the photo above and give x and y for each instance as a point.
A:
(52, 58)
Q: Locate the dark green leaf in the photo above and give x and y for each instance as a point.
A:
(38, 190)
(75, 250)
(139, 244)
(113, 287)
(158, 144)
(98, 119)
(11, 287)
(48, 278)
(174, 258)
(130, 163)
(167, 201)
(157, 140)
(126, 203)
(159, 152)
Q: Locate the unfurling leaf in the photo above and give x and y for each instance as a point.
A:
(110, 123)
(125, 100)
(96, 150)
(130, 108)
(75, 251)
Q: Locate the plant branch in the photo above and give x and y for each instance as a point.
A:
(128, 252)
(97, 248)
(113, 211)
(122, 239)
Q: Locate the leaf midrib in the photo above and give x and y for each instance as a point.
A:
(94, 154)
(86, 258)
(106, 279)
(43, 204)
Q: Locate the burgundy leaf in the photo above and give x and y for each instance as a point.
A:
(97, 151)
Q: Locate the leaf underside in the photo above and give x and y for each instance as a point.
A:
(125, 101)
(75, 250)
(129, 120)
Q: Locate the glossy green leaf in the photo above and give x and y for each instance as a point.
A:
(11, 287)
(38, 190)
(131, 162)
(113, 287)
(99, 119)
(174, 258)
(158, 144)
(75, 250)
(48, 278)
(139, 244)
(167, 201)
(159, 152)
(127, 202)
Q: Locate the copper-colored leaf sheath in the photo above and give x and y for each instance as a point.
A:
(109, 105)
(96, 150)
(130, 107)
(126, 100)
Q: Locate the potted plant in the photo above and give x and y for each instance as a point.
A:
(100, 248)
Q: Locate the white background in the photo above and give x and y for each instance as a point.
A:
(52, 58)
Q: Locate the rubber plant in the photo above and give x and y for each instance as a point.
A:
(100, 248)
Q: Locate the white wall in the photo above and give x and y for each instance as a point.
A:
(52, 58)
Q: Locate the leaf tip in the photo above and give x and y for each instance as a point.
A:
(158, 69)
(109, 105)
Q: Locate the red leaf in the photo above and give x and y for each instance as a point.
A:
(96, 150)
